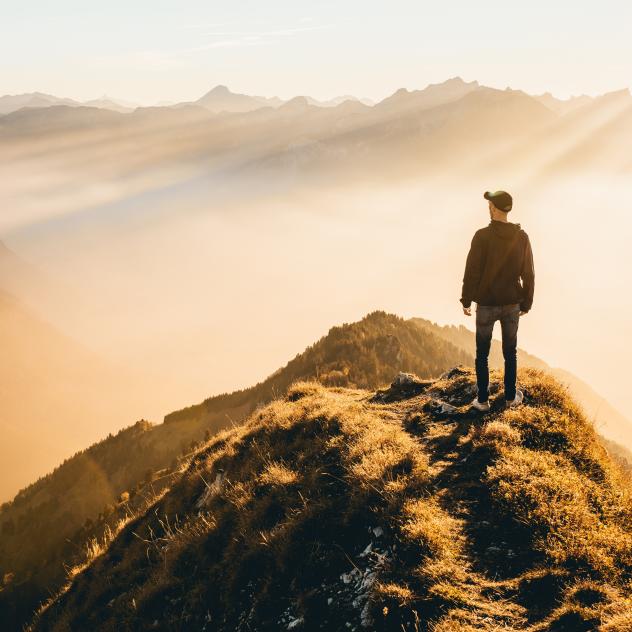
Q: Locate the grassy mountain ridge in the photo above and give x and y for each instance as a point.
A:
(335, 508)
(49, 525)
(609, 422)
(402, 134)
(358, 354)
(45, 528)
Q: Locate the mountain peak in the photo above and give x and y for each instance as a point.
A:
(220, 90)
(433, 95)
(617, 94)
(454, 82)
(221, 99)
(297, 103)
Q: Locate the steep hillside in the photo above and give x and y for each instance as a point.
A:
(49, 386)
(335, 509)
(44, 528)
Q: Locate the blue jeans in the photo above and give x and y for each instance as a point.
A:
(486, 316)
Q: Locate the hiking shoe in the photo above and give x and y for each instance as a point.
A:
(482, 406)
(516, 401)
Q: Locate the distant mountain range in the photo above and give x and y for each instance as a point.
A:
(410, 132)
(11, 103)
(221, 99)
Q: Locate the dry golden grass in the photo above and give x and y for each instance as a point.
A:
(514, 521)
(563, 509)
(278, 474)
(401, 594)
(498, 432)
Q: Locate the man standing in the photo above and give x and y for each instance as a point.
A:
(500, 256)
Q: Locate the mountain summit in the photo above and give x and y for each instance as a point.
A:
(433, 95)
(221, 99)
(389, 509)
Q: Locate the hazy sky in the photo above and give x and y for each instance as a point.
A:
(153, 50)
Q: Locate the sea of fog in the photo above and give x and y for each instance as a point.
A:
(204, 291)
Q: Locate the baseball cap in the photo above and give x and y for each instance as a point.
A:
(500, 199)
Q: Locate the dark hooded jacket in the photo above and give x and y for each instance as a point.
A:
(500, 257)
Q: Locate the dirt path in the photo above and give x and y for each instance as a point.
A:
(457, 477)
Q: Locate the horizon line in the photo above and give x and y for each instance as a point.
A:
(131, 102)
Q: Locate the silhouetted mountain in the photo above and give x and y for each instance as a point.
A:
(297, 105)
(433, 95)
(562, 106)
(598, 134)
(330, 103)
(335, 508)
(445, 125)
(107, 103)
(57, 118)
(54, 398)
(11, 103)
(221, 99)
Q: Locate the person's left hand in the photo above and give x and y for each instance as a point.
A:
(467, 311)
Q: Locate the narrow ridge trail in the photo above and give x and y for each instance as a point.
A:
(393, 510)
(437, 414)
